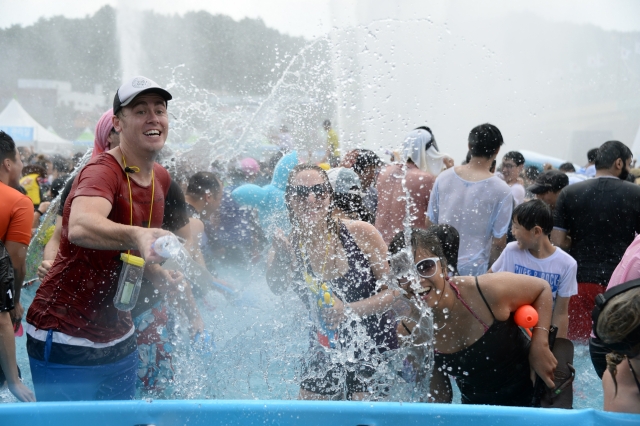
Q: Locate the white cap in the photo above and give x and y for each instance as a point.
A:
(132, 88)
(343, 181)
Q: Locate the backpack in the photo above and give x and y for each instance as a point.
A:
(7, 280)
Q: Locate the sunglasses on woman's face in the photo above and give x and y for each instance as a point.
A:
(301, 191)
(428, 267)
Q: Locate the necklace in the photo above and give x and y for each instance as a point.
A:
(153, 191)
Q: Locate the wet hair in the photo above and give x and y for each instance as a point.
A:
(332, 225)
(467, 158)
(365, 159)
(592, 154)
(57, 186)
(202, 182)
(531, 172)
(432, 142)
(492, 169)
(420, 239)
(619, 318)
(353, 206)
(34, 168)
(485, 140)
(60, 164)
(567, 168)
(450, 241)
(326, 123)
(515, 156)
(7, 147)
(534, 213)
(609, 152)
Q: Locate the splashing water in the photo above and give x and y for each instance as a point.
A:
(259, 346)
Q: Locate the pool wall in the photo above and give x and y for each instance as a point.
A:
(207, 412)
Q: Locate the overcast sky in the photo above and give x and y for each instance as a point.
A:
(311, 18)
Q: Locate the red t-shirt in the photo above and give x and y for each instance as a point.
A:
(76, 296)
(16, 216)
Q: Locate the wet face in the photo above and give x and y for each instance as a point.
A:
(524, 237)
(143, 124)
(432, 278)
(310, 197)
(624, 173)
(213, 201)
(510, 171)
(15, 170)
(549, 198)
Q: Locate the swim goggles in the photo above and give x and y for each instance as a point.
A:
(320, 190)
(428, 267)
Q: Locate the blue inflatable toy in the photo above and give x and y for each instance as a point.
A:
(269, 200)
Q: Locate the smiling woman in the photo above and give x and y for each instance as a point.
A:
(476, 339)
(337, 269)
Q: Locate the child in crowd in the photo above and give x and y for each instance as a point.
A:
(533, 254)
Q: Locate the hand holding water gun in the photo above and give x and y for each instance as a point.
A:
(526, 317)
(331, 315)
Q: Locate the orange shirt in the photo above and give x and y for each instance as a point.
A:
(16, 215)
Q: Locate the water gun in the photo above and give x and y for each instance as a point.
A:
(526, 317)
(326, 336)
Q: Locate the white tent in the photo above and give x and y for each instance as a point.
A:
(26, 131)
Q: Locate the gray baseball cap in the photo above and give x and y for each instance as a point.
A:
(344, 181)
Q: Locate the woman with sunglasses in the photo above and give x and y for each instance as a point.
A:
(476, 339)
(347, 260)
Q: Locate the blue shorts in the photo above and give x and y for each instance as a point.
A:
(61, 382)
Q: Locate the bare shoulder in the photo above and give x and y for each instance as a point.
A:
(360, 228)
(365, 234)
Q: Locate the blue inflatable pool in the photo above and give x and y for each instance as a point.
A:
(207, 412)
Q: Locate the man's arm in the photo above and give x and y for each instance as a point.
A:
(8, 360)
(18, 255)
(559, 238)
(192, 233)
(90, 227)
(497, 246)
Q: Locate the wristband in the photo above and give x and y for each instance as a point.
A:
(542, 328)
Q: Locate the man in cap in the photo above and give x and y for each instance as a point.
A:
(548, 185)
(80, 346)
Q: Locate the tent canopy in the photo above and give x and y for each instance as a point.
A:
(26, 131)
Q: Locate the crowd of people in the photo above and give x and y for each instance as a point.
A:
(483, 239)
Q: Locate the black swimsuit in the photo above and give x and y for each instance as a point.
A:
(495, 369)
(358, 283)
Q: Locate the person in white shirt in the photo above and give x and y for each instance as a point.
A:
(533, 254)
(475, 202)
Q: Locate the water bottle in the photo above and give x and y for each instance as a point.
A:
(129, 282)
(326, 336)
(167, 246)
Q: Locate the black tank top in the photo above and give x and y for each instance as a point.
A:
(356, 284)
(495, 369)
